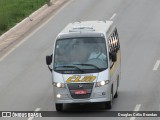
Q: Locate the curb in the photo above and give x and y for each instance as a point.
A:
(13, 29)
(34, 14)
(24, 21)
(29, 22)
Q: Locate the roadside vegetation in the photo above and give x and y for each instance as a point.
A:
(13, 11)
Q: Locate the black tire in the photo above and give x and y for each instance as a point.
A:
(108, 105)
(59, 107)
(116, 95)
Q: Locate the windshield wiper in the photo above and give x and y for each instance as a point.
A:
(71, 67)
(90, 65)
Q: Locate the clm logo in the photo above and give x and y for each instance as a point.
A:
(81, 79)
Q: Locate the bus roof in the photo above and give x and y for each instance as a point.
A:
(86, 27)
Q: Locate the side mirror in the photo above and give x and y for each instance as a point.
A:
(113, 56)
(48, 60)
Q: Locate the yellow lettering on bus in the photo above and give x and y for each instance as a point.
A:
(70, 79)
(78, 79)
(88, 79)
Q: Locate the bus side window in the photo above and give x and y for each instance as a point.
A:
(113, 43)
(117, 39)
(110, 45)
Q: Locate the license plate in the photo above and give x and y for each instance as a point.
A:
(80, 92)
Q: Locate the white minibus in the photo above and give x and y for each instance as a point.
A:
(86, 64)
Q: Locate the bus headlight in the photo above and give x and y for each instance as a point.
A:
(101, 83)
(59, 85)
(58, 96)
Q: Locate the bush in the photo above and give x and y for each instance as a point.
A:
(13, 11)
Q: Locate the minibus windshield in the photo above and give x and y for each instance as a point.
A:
(86, 53)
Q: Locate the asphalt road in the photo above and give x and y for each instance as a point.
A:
(25, 81)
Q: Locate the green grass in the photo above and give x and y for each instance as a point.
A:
(13, 11)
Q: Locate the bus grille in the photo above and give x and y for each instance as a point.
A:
(80, 86)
